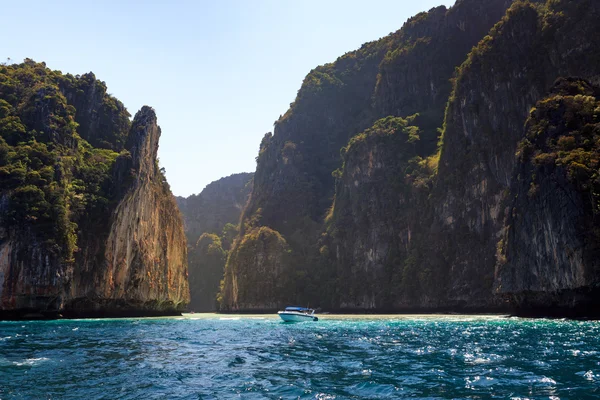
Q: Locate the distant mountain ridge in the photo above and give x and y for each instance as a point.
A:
(219, 203)
(211, 221)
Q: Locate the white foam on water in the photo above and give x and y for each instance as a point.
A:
(548, 380)
(30, 361)
(324, 396)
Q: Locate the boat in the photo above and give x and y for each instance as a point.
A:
(298, 314)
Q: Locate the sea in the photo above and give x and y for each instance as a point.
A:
(211, 356)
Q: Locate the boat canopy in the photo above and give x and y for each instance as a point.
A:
(297, 309)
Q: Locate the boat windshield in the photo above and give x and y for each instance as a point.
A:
(300, 309)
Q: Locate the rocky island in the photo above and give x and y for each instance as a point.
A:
(88, 224)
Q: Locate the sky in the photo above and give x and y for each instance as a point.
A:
(218, 73)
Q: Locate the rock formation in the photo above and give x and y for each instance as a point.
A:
(485, 119)
(84, 231)
(405, 73)
(548, 258)
(414, 226)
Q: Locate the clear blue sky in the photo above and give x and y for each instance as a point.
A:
(217, 73)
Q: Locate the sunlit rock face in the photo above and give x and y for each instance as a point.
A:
(88, 225)
(144, 265)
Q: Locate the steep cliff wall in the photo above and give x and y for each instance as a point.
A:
(402, 74)
(378, 221)
(415, 75)
(417, 228)
(144, 264)
(262, 256)
(380, 226)
(503, 78)
(83, 230)
(293, 186)
(548, 258)
(211, 223)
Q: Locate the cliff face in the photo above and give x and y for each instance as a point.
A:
(484, 124)
(415, 74)
(27, 288)
(144, 263)
(416, 228)
(269, 255)
(548, 258)
(405, 73)
(378, 220)
(211, 224)
(83, 230)
(380, 227)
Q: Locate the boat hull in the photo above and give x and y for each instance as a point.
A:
(296, 317)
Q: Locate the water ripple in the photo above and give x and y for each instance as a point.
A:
(363, 358)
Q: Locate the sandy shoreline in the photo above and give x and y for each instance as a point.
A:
(325, 317)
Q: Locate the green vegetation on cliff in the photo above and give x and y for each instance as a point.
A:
(406, 74)
(370, 223)
(564, 132)
(51, 178)
(88, 225)
(261, 256)
(551, 243)
(391, 176)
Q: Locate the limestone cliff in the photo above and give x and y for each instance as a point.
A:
(378, 219)
(402, 74)
(466, 226)
(84, 230)
(144, 264)
(548, 258)
(269, 255)
(484, 123)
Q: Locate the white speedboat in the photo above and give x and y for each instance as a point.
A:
(298, 314)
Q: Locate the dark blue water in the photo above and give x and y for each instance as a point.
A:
(216, 358)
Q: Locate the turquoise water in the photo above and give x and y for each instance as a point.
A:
(216, 357)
